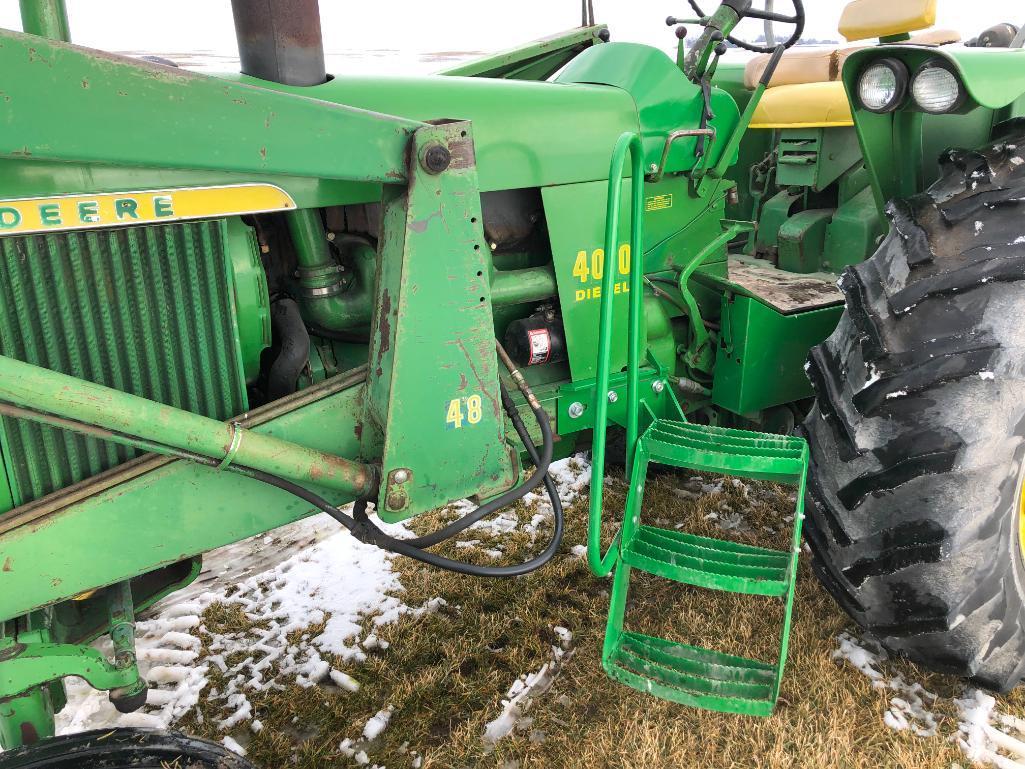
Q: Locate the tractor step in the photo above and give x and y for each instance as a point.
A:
(708, 563)
(692, 676)
(760, 456)
(686, 674)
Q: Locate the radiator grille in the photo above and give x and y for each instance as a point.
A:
(146, 310)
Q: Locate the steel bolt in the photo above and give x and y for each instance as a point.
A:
(613, 396)
(658, 386)
(653, 167)
(396, 501)
(400, 476)
(576, 410)
(436, 158)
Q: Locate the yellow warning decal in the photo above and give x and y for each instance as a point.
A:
(112, 209)
(658, 203)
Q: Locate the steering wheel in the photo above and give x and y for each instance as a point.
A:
(744, 10)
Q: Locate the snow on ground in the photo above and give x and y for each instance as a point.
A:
(988, 738)
(524, 692)
(284, 583)
(333, 577)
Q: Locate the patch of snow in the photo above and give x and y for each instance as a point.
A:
(911, 708)
(333, 578)
(580, 551)
(896, 394)
(378, 723)
(525, 691)
(986, 375)
(979, 227)
(233, 746)
(981, 739)
(344, 681)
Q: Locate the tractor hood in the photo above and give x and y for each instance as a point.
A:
(526, 134)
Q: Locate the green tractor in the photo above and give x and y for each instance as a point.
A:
(214, 289)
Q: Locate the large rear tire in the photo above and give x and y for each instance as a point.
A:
(918, 433)
(123, 749)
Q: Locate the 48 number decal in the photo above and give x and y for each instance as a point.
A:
(469, 410)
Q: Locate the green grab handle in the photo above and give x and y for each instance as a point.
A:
(601, 565)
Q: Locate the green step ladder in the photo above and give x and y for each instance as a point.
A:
(673, 671)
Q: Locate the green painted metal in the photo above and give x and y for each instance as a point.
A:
(554, 135)
(686, 674)
(27, 665)
(677, 228)
(602, 565)
(537, 60)
(701, 352)
(431, 296)
(665, 101)
(432, 392)
(46, 18)
(664, 669)
(217, 125)
(64, 322)
(802, 239)
(171, 508)
(815, 157)
(900, 148)
(24, 718)
(52, 393)
(249, 297)
(760, 362)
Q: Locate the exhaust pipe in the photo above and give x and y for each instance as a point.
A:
(280, 40)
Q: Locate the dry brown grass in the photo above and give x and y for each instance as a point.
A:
(446, 673)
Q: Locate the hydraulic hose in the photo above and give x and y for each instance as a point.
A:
(361, 527)
(506, 499)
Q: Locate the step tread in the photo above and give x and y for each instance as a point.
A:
(732, 452)
(709, 563)
(693, 675)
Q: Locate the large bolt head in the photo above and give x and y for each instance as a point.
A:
(658, 386)
(436, 158)
(576, 410)
(613, 396)
(400, 476)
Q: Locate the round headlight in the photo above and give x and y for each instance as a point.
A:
(937, 89)
(883, 85)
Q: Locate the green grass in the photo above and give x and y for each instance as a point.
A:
(446, 673)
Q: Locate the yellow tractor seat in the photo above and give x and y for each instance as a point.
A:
(804, 105)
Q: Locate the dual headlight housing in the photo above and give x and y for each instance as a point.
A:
(935, 87)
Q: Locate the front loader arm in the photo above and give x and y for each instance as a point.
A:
(67, 103)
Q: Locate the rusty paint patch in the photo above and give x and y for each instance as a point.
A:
(29, 735)
(7, 564)
(383, 330)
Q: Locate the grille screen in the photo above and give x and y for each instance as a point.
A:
(146, 310)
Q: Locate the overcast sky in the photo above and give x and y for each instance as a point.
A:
(444, 25)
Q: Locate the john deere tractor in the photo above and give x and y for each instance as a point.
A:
(228, 302)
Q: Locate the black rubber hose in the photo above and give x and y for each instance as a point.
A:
(506, 499)
(364, 530)
(294, 344)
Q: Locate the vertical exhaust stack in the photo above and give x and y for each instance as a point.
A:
(280, 40)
